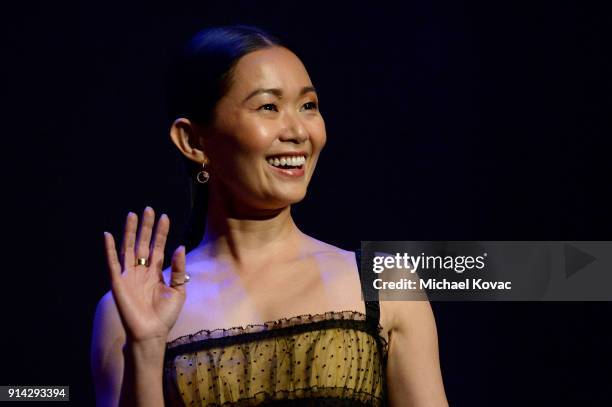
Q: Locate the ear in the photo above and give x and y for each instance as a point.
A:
(187, 138)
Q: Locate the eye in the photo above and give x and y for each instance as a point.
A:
(269, 106)
(310, 106)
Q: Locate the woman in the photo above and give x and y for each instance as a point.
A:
(295, 327)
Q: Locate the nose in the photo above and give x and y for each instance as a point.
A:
(293, 129)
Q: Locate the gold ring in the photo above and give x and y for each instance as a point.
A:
(141, 261)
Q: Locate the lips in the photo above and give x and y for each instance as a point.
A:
(294, 173)
(288, 154)
(288, 164)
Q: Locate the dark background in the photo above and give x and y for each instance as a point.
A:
(446, 120)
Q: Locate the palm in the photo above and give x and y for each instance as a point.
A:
(148, 307)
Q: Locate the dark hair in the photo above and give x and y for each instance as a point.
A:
(198, 78)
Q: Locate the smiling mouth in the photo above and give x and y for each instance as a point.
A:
(287, 162)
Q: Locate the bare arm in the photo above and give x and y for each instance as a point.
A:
(413, 369)
(125, 374)
(132, 321)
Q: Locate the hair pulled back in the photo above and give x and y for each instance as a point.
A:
(198, 78)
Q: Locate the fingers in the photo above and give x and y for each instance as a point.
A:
(177, 276)
(114, 267)
(129, 240)
(144, 233)
(159, 243)
(139, 245)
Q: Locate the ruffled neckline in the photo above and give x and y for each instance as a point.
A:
(350, 316)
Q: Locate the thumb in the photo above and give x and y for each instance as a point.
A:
(177, 276)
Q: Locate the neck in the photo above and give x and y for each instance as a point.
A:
(246, 237)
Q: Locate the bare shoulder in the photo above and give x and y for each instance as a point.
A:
(108, 331)
(328, 251)
(335, 261)
(106, 351)
(413, 371)
(107, 316)
(408, 316)
(194, 262)
(339, 270)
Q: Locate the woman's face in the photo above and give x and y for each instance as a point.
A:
(268, 120)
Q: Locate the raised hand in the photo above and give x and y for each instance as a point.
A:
(148, 306)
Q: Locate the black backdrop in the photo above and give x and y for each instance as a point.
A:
(445, 120)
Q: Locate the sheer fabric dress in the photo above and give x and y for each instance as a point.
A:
(337, 358)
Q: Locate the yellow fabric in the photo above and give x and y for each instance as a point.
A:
(332, 356)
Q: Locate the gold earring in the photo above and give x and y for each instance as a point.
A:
(203, 176)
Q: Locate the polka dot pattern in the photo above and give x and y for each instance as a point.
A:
(331, 357)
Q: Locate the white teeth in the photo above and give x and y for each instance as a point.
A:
(294, 161)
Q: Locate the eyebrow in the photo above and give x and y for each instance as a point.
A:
(277, 92)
